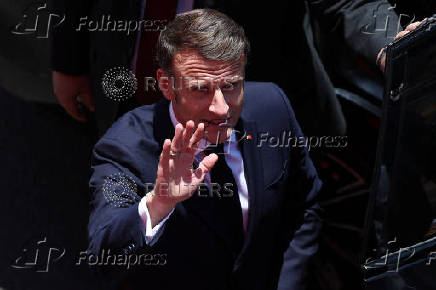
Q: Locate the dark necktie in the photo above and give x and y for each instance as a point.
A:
(227, 205)
(160, 12)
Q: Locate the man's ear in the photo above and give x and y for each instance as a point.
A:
(164, 83)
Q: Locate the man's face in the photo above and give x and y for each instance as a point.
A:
(207, 91)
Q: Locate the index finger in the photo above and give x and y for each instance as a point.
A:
(413, 26)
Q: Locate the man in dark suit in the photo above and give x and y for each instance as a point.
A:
(215, 178)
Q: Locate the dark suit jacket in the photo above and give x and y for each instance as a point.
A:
(283, 48)
(284, 217)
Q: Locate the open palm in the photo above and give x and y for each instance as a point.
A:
(176, 178)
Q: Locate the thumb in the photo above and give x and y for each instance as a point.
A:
(205, 166)
(88, 100)
(72, 108)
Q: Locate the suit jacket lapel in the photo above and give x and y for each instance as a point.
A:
(163, 127)
(253, 169)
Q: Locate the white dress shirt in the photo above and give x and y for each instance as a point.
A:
(235, 162)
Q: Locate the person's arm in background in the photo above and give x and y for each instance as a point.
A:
(303, 245)
(355, 19)
(70, 59)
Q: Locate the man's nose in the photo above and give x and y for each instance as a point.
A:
(219, 105)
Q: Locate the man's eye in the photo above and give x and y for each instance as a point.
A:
(230, 86)
(200, 88)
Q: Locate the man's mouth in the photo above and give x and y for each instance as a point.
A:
(217, 122)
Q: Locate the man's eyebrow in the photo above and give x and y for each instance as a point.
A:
(198, 82)
(235, 78)
(206, 81)
(199, 79)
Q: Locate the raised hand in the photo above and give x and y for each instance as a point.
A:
(176, 178)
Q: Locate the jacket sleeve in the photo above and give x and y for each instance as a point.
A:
(70, 46)
(115, 223)
(361, 23)
(305, 232)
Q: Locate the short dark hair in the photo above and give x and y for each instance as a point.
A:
(212, 34)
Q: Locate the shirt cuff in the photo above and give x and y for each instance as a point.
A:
(152, 234)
